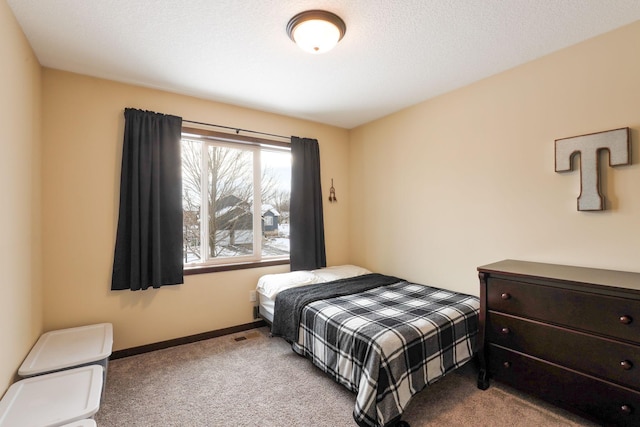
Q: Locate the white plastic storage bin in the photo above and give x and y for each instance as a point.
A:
(82, 423)
(53, 400)
(69, 348)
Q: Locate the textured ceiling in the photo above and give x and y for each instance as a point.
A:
(394, 54)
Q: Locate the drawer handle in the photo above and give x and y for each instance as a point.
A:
(507, 364)
(507, 296)
(505, 331)
(626, 365)
(625, 320)
(626, 409)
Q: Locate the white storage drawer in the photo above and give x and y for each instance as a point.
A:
(68, 348)
(53, 400)
(82, 423)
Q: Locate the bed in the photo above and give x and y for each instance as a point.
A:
(270, 285)
(382, 337)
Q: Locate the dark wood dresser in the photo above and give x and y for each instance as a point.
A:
(569, 335)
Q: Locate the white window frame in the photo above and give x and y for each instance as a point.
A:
(222, 140)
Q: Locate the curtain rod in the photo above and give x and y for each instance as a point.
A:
(238, 130)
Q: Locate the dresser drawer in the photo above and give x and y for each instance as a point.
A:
(587, 396)
(611, 316)
(605, 358)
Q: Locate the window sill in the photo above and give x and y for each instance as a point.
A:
(203, 269)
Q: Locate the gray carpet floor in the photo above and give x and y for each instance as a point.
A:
(260, 381)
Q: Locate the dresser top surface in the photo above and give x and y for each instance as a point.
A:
(567, 273)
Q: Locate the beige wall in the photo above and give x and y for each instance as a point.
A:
(20, 256)
(468, 178)
(82, 147)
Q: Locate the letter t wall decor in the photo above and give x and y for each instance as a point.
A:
(616, 141)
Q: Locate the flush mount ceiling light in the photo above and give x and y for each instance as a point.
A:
(316, 31)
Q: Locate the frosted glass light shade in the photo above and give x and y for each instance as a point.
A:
(316, 31)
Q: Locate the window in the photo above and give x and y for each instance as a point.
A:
(222, 180)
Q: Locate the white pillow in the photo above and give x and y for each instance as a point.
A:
(270, 284)
(329, 274)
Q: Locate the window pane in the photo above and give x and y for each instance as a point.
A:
(276, 189)
(191, 199)
(234, 210)
(230, 201)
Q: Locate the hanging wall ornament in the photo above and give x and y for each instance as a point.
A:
(332, 193)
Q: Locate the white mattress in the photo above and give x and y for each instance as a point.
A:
(266, 307)
(270, 285)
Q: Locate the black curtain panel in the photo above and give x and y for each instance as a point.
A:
(306, 238)
(148, 250)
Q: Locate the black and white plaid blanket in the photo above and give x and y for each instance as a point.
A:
(290, 302)
(388, 343)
